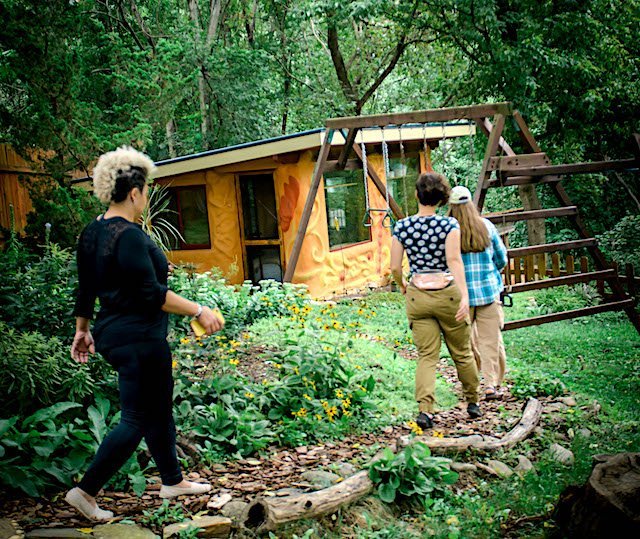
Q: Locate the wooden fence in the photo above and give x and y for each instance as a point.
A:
(536, 271)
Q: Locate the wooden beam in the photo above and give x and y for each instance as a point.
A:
(532, 214)
(523, 180)
(517, 162)
(485, 173)
(574, 168)
(350, 164)
(397, 210)
(567, 315)
(551, 247)
(525, 134)
(562, 281)
(486, 126)
(308, 206)
(350, 138)
(471, 112)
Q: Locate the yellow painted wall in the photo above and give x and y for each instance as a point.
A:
(328, 272)
(325, 272)
(224, 226)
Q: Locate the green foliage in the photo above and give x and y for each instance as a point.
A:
(50, 447)
(241, 306)
(37, 291)
(37, 371)
(622, 242)
(165, 514)
(59, 213)
(412, 473)
(534, 384)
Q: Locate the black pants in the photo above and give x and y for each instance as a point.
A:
(146, 398)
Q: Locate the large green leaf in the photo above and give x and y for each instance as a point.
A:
(386, 492)
(50, 412)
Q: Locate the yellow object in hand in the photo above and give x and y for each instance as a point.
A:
(197, 327)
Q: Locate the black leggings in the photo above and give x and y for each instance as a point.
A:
(146, 398)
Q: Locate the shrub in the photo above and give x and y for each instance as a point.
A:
(529, 384)
(37, 371)
(37, 291)
(412, 473)
(622, 242)
(240, 306)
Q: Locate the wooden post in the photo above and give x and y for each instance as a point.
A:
(517, 269)
(555, 264)
(570, 264)
(485, 173)
(529, 269)
(308, 206)
(542, 266)
(584, 264)
(631, 280)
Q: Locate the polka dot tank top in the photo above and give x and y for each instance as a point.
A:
(423, 239)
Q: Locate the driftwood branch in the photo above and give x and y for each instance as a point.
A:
(266, 514)
(528, 422)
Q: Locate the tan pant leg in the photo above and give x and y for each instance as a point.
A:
(502, 354)
(489, 343)
(474, 337)
(426, 337)
(457, 335)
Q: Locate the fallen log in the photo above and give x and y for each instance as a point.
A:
(608, 505)
(528, 422)
(266, 514)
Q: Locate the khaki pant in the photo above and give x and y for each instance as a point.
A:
(431, 312)
(486, 342)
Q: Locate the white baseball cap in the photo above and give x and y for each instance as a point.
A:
(460, 195)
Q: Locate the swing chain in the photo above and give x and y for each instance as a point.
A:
(404, 172)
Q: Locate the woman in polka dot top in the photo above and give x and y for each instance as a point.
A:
(432, 245)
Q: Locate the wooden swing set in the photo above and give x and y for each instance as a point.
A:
(510, 169)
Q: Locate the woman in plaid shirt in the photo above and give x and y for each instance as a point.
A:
(484, 256)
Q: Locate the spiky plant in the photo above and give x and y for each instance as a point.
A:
(155, 222)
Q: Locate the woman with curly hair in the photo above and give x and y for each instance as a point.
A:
(436, 296)
(120, 265)
(484, 256)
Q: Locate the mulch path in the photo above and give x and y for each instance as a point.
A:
(247, 478)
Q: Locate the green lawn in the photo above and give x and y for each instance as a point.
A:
(595, 359)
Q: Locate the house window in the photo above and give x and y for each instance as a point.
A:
(402, 183)
(188, 214)
(346, 206)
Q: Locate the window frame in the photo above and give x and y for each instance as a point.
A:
(183, 245)
(327, 209)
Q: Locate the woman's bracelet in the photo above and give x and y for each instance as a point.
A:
(197, 315)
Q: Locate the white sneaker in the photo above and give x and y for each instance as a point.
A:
(191, 490)
(75, 498)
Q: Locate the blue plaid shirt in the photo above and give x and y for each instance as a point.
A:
(482, 270)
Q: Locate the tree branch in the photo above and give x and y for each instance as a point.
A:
(338, 62)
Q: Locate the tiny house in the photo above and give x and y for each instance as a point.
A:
(238, 208)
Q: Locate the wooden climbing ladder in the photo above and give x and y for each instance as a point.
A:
(509, 169)
(535, 168)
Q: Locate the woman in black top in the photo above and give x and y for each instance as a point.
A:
(120, 265)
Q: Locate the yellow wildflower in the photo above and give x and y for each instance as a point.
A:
(234, 362)
(438, 434)
(414, 427)
(305, 396)
(339, 393)
(249, 395)
(363, 388)
(185, 340)
(358, 367)
(174, 363)
(318, 417)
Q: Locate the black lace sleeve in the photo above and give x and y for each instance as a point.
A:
(135, 261)
(85, 257)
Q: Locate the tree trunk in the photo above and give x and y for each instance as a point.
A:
(536, 233)
(608, 505)
(170, 130)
